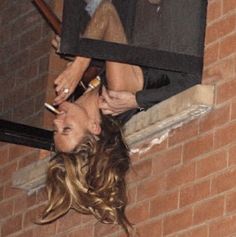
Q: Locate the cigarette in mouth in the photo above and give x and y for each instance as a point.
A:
(51, 108)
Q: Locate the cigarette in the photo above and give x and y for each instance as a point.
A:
(51, 108)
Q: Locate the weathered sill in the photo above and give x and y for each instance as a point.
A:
(149, 127)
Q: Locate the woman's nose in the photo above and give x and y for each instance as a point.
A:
(57, 123)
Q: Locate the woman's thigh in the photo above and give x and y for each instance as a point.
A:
(124, 77)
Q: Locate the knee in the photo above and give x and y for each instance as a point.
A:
(106, 7)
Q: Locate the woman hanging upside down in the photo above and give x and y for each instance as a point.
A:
(88, 172)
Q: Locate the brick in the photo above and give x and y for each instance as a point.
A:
(38, 84)
(132, 194)
(201, 231)
(3, 69)
(222, 70)
(46, 30)
(233, 109)
(30, 37)
(6, 85)
(208, 210)
(230, 202)
(5, 35)
(6, 209)
(1, 193)
(140, 171)
(7, 171)
(163, 204)
(16, 96)
(28, 159)
(211, 54)
(40, 49)
(225, 91)
(177, 221)
(223, 182)
(166, 160)
(12, 225)
(138, 213)
(44, 66)
(73, 218)
(17, 151)
(27, 73)
(83, 231)
(4, 155)
(215, 119)
(214, 10)
(41, 195)
(27, 233)
(16, 62)
(26, 7)
(180, 176)
(25, 203)
(151, 187)
(7, 115)
(225, 135)
(32, 215)
(155, 149)
(183, 133)
(229, 5)
(232, 155)
(47, 230)
(227, 46)
(24, 110)
(4, 4)
(34, 120)
(88, 219)
(9, 14)
(10, 48)
(151, 229)
(103, 230)
(194, 193)
(198, 146)
(211, 164)
(10, 192)
(220, 28)
(223, 227)
(25, 22)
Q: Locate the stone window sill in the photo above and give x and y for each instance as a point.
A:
(148, 127)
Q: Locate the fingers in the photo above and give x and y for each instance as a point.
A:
(110, 112)
(62, 86)
(106, 96)
(61, 97)
(56, 42)
(114, 94)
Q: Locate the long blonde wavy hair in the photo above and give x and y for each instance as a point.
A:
(91, 179)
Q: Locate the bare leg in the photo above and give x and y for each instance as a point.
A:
(106, 25)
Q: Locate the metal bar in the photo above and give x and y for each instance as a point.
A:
(25, 135)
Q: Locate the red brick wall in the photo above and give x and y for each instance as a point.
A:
(185, 186)
(25, 43)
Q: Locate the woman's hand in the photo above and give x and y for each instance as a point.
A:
(116, 102)
(66, 82)
(56, 41)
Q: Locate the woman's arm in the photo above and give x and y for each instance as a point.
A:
(115, 103)
(68, 80)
